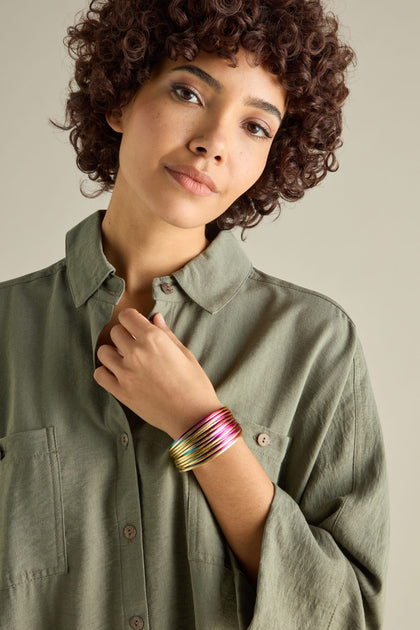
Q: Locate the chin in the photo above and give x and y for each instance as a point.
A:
(186, 220)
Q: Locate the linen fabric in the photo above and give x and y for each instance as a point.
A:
(100, 531)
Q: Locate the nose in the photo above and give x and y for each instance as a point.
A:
(209, 143)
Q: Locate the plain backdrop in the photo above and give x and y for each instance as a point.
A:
(354, 238)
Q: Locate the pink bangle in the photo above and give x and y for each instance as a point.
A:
(204, 441)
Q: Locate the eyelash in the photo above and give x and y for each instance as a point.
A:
(176, 88)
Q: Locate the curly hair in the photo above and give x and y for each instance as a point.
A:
(117, 43)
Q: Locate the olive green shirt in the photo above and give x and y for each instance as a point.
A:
(99, 530)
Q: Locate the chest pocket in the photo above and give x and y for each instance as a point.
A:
(206, 541)
(31, 515)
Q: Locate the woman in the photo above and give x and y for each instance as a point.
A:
(155, 337)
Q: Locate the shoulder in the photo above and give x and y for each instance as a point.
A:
(32, 290)
(287, 294)
(34, 279)
(312, 327)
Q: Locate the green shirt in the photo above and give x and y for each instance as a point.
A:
(99, 530)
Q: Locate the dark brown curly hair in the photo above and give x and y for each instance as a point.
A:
(117, 43)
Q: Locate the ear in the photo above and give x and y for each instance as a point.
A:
(114, 120)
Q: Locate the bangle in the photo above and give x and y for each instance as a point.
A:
(205, 440)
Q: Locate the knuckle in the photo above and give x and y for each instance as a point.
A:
(153, 336)
(136, 354)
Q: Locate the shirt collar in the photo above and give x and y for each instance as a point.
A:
(211, 279)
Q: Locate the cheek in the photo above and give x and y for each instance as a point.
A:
(250, 167)
(260, 159)
(147, 130)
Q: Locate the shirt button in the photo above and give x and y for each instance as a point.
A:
(167, 288)
(136, 623)
(130, 532)
(124, 439)
(263, 439)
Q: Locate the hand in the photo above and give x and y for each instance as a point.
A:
(151, 372)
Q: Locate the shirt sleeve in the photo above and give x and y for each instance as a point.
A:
(324, 557)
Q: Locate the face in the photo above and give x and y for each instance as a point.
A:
(195, 137)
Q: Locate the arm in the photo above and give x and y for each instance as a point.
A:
(322, 560)
(240, 494)
(240, 506)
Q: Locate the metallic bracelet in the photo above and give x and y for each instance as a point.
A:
(204, 441)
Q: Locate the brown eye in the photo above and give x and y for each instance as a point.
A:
(258, 131)
(185, 94)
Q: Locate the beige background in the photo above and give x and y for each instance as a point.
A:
(355, 238)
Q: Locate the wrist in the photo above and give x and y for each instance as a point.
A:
(192, 416)
(208, 438)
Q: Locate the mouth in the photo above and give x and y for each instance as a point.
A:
(193, 180)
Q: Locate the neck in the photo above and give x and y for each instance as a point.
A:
(141, 247)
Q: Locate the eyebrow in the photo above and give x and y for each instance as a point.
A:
(218, 87)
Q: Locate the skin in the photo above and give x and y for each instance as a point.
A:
(154, 226)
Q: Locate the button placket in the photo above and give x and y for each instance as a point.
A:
(129, 532)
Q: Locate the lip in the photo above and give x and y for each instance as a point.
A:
(198, 182)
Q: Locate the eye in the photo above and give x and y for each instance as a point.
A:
(258, 131)
(184, 93)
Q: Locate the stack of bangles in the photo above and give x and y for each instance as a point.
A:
(207, 439)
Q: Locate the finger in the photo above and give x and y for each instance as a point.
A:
(133, 321)
(110, 358)
(159, 321)
(121, 338)
(105, 379)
